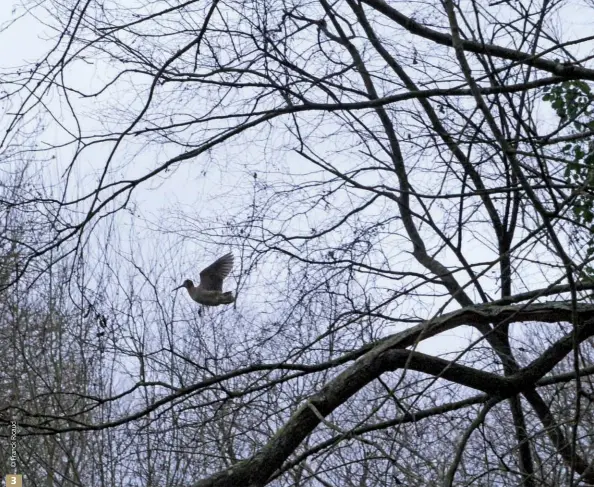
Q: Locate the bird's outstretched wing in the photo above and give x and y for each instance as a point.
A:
(211, 278)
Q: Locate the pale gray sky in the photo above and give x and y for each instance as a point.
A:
(211, 185)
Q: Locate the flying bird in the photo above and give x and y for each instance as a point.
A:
(210, 290)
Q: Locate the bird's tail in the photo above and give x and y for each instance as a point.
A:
(227, 298)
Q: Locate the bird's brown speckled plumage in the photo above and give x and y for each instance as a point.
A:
(210, 290)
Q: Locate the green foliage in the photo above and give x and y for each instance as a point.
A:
(573, 101)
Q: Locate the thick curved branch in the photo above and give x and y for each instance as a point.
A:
(390, 357)
(556, 68)
(417, 416)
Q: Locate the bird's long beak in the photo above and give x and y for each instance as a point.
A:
(178, 287)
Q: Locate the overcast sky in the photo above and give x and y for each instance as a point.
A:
(213, 184)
